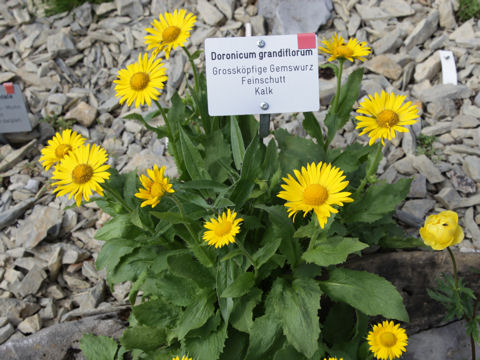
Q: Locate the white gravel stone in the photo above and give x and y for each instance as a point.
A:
(209, 13)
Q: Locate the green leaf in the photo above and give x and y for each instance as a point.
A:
(136, 286)
(333, 252)
(113, 251)
(297, 307)
(176, 290)
(156, 313)
(369, 293)
(379, 199)
(194, 163)
(240, 286)
(238, 147)
(143, 337)
(296, 151)
(339, 324)
(186, 266)
(202, 184)
(227, 271)
(208, 346)
(118, 227)
(130, 188)
(311, 125)
(249, 127)
(351, 158)
(263, 333)
(194, 316)
(132, 265)
(98, 347)
(272, 243)
(172, 217)
(235, 346)
(242, 313)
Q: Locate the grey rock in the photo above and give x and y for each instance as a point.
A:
(409, 144)
(55, 292)
(60, 44)
(428, 69)
(258, 25)
(423, 30)
(30, 325)
(74, 283)
(418, 187)
(16, 310)
(477, 99)
(3, 321)
(470, 201)
(418, 207)
(209, 13)
(32, 185)
(470, 224)
(471, 110)
(448, 197)
(21, 16)
(390, 175)
(471, 166)
(14, 157)
(397, 8)
(462, 149)
(83, 113)
(388, 43)
(445, 91)
(146, 159)
(55, 262)
(466, 121)
(28, 263)
(11, 215)
(426, 167)
(367, 12)
(354, 22)
(36, 227)
(439, 128)
(461, 182)
(83, 15)
(32, 282)
(384, 65)
(133, 126)
(55, 342)
(448, 342)
(5, 332)
(437, 42)
(175, 73)
(405, 166)
(464, 35)
(105, 8)
(447, 17)
(131, 8)
(226, 7)
(91, 298)
(49, 310)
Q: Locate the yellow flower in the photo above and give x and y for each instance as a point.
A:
(154, 187)
(330, 358)
(59, 146)
(222, 231)
(387, 341)
(317, 188)
(337, 49)
(139, 81)
(442, 230)
(170, 32)
(386, 114)
(183, 358)
(80, 172)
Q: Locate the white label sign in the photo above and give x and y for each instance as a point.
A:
(262, 74)
(13, 113)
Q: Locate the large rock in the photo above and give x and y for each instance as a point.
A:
(423, 30)
(445, 92)
(83, 113)
(384, 65)
(295, 16)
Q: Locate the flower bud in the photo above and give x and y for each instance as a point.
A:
(442, 230)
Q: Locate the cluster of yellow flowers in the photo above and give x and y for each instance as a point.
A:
(140, 81)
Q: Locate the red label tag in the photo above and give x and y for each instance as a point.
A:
(306, 41)
(9, 88)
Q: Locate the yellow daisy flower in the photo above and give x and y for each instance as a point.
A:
(59, 146)
(337, 49)
(139, 81)
(170, 32)
(80, 172)
(183, 358)
(385, 114)
(154, 187)
(330, 358)
(222, 231)
(317, 188)
(387, 341)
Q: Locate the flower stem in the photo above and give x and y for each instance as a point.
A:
(194, 69)
(117, 197)
(454, 263)
(171, 140)
(370, 170)
(339, 84)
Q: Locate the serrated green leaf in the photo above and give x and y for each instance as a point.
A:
(311, 125)
(117, 227)
(172, 217)
(296, 151)
(143, 337)
(184, 265)
(209, 346)
(202, 184)
(98, 347)
(132, 265)
(193, 161)
(242, 313)
(271, 243)
(240, 286)
(351, 158)
(235, 346)
(194, 316)
(334, 251)
(238, 147)
(132, 297)
(176, 290)
(156, 313)
(113, 251)
(227, 271)
(369, 293)
(263, 333)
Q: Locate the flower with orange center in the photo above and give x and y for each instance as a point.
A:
(183, 358)
(59, 146)
(387, 341)
(317, 188)
(81, 172)
(338, 49)
(384, 115)
(155, 186)
(170, 32)
(442, 230)
(140, 81)
(222, 231)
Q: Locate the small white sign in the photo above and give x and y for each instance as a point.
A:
(13, 113)
(449, 70)
(262, 74)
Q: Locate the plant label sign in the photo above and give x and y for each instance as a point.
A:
(262, 74)
(13, 113)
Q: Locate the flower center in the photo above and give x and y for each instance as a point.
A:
(62, 150)
(315, 195)
(388, 339)
(223, 228)
(157, 189)
(387, 118)
(170, 33)
(344, 51)
(139, 81)
(82, 173)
